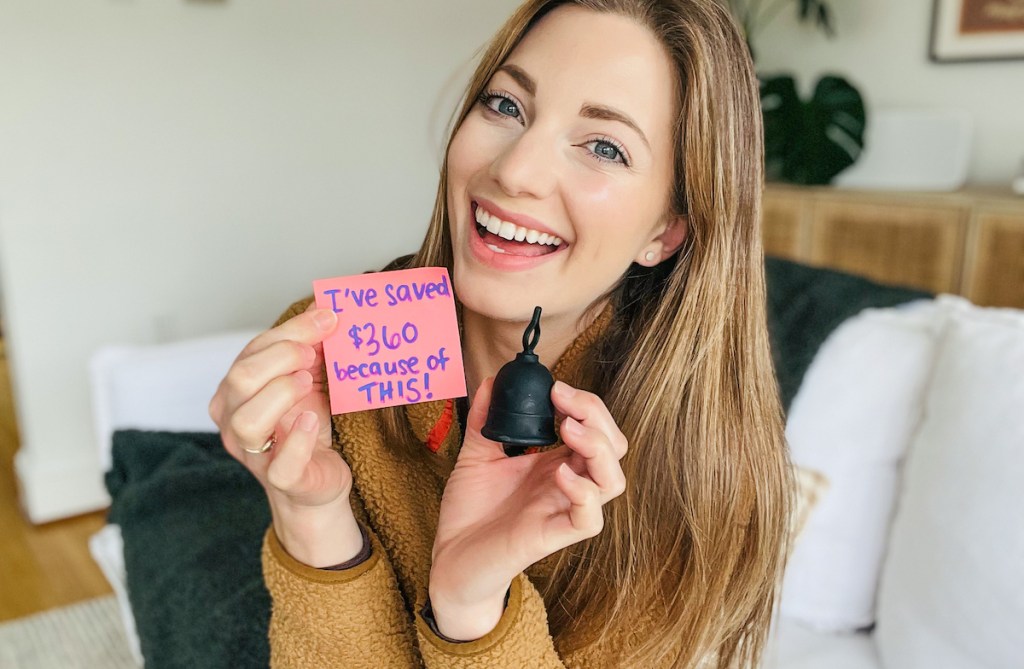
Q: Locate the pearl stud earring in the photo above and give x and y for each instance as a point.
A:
(649, 256)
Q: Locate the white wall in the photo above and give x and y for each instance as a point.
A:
(171, 168)
(882, 48)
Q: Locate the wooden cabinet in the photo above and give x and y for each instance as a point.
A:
(786, 236)
(966, 243)
(994, 272)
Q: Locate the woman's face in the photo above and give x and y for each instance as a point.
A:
(561, 175)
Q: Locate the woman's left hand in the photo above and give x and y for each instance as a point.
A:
(501, 514)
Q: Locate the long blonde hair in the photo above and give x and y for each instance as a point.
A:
(694, 549)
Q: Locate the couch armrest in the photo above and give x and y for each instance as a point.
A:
(159, 387)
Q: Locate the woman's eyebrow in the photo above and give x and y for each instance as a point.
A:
(602, 113)
(521, 77)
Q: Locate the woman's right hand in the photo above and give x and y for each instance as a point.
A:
(276, 387)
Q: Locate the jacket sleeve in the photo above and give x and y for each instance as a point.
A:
(521, 638)
(351, 618)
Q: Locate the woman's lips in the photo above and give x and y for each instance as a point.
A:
(506, 254)
(517, 220)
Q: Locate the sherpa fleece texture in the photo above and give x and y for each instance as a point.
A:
(368, 616)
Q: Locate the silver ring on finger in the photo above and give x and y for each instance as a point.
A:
(267, 445)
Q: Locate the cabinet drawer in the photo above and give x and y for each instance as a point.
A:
(901, 244)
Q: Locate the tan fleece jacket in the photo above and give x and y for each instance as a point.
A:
(368, 615)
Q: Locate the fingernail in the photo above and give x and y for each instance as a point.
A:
(572, 425)
(325, 318)
(564, 389)
(307, 421)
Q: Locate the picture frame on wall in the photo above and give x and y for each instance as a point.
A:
(977, 30)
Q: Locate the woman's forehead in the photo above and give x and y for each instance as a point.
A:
(578, 57)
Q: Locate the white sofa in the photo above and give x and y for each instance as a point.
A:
(914, 415)
(912, 559)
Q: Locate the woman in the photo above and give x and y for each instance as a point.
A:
(606, 165)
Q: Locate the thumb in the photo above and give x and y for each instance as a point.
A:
(475, 441)
(480, 404)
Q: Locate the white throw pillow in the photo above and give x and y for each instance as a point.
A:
(952, 591)
(159, 386)
(852, 420)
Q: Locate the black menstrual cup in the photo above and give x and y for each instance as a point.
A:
(521, 412)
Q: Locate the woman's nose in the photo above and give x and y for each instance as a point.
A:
(527, 166)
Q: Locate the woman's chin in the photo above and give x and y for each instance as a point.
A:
(518, 311)
(498, 304)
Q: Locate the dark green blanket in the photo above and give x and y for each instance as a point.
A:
(193, 518)
(805, 304)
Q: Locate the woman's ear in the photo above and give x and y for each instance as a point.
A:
(666, 243)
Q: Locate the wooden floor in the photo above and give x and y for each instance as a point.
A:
(41, 567)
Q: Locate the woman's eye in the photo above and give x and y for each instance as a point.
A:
(500, 104)
(607, 151)
(507, 107)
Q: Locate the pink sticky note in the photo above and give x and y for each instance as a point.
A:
(397, 340)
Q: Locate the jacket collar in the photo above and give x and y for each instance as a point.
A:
(435, 423)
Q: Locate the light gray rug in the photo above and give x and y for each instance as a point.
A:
(87, 635)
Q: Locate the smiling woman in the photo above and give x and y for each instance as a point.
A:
(606, 165)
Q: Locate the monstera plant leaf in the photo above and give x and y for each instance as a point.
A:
(810, 142)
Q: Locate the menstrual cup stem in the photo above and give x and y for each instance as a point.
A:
(532, 329)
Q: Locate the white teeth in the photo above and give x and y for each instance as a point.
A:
(511, 231)
(492, 223)
(495, 248)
